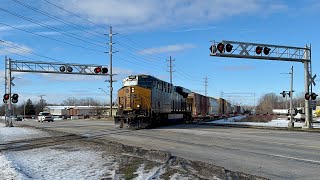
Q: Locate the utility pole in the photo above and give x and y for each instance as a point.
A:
(111, 74)
(206, 85)
(171, 70)
(41, 102)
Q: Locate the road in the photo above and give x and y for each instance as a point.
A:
(273, 154)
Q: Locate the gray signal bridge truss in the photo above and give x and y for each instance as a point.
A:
(277, 52)
(248, 50)
(53, 67)
(44, 67)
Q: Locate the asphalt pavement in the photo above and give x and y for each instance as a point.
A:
(275, 154)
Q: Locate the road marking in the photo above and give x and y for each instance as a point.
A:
(299, 159)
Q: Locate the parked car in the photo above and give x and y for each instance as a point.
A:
(45, 116)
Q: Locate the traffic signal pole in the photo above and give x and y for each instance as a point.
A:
(291, 123)
(8, 106)
(308, 118)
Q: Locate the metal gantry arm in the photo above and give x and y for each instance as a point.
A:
(248, 50)
(53, 67)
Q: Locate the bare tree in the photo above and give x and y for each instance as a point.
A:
(70, 102)
(268, 102)
(80, 102)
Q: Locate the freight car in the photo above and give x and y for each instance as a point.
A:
(148, 101)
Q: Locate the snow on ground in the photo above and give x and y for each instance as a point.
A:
(273, 123)
(7, 171)
(47, 163)
(64, 161)
(19, 133)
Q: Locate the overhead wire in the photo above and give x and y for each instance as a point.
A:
(72, 35)
(76, 45)
(25, 50)
(58, 19)
(120, 43)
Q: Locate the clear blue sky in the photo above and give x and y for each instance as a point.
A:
(150, 32)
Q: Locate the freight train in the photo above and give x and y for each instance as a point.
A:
(146, 101)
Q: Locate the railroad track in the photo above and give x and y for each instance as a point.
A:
(55, 140)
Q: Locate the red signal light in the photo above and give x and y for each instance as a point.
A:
(6, 97)
(258, 49)
(97, 70)
(220, 47)
(307, 96)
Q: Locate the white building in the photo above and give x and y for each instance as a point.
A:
(81, 110)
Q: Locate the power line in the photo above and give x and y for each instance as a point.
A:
(25, 50)
(57, 18)
(52, 38)
(72, 35)
(59, 7)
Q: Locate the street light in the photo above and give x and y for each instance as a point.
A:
(104, 91)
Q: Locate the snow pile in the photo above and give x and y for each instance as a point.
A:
(154, 173)
(273, 123)
(18, 133)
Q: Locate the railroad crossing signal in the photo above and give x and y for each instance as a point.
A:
(236, 49)
(283, 94)
(312, 95)
(311, 79)
(99, 70)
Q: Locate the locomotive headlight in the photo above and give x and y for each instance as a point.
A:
(132, 90)
(138, 106)
(120, 106)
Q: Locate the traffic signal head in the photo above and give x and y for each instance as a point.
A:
(6, 96)
(97, 70)
(229, 47)
(307, 96)
(314, 96)
(258, 50)
(266, 50)
(69, 69)
(104, 70)
(220, 47)
(15, 98)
